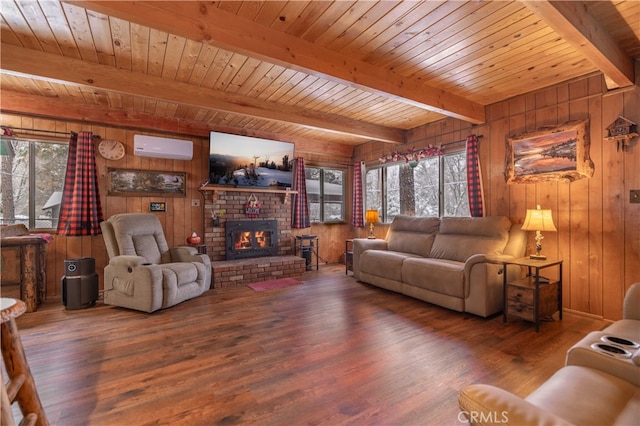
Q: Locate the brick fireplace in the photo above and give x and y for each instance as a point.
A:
(273, 206)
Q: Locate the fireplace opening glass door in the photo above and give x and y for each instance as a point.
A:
(251, 238)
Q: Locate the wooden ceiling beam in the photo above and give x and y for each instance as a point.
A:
(56, 108)
(206, 23)
(40, 65)
(572, 21)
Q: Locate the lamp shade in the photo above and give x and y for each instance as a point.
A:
(538, 220)
(371, 216)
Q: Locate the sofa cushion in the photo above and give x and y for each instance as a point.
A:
(410, 234)
(441, 276)
(383, 263)
(462, 237)
(140, 234)
(610, 400)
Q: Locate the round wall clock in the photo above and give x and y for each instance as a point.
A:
(111, 150)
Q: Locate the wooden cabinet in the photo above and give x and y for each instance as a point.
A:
(533, 297)
(521, 301)
(23, 271)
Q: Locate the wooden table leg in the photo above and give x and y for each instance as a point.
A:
(17, 368)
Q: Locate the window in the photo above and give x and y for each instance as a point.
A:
(325, 193)
(436, 187)
(32, 179)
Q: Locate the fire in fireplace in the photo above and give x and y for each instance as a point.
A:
(251, 238)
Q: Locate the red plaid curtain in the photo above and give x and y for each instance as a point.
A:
(474, 178)
(80, 211)
(300, 214)
(357, 218)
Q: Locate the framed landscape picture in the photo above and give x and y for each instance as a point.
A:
(146, 182)
(558, 153)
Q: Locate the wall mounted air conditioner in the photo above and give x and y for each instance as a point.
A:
(151, 146)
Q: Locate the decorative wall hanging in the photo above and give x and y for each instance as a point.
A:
(549, 154)
(411, 157)
(621, 132)
(143, 183)
(252, 207)
(216, 216)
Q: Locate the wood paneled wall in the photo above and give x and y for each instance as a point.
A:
(598, 228)
(181, 217)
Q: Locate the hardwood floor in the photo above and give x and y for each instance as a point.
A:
(330, 351)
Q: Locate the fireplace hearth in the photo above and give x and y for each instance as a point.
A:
(251, 238)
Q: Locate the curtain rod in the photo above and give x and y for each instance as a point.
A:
(460, 141)
(322, 163)
(45, 131)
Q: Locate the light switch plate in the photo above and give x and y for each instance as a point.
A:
(634, 196)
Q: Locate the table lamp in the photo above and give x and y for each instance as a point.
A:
(538, 220)
(371, 217)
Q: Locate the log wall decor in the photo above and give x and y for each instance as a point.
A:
(559, 153)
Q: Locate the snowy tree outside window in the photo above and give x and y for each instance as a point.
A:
(32, 179)
(436, 187)
(325, 192)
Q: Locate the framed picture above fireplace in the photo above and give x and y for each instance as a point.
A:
(243, 161)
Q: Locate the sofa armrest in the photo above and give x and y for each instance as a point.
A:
(360, 245)
(496, 259)
(131, 282)
(489, 405)
(631, 307)
(188, 254)
(127, 261)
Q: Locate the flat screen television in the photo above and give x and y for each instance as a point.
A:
(245, 161)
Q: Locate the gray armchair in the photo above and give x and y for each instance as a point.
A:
(143, 272)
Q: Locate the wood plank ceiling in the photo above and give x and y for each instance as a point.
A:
(328, 71)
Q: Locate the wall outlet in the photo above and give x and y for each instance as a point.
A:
(195, 202)
(634, 196)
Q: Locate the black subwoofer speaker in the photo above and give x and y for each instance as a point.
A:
(80, 283)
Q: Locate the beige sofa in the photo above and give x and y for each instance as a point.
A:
(593, 388)
(452, 262)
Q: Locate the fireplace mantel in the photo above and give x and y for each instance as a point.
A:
(214, 188)
(217, 188)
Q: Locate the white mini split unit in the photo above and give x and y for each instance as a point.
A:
(151, 146)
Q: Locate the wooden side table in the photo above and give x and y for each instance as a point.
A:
(348, 256)
(21, 386)
(533, 297)
(306, 246)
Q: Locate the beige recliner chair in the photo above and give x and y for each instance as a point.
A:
(593, 388)
(143, 272)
